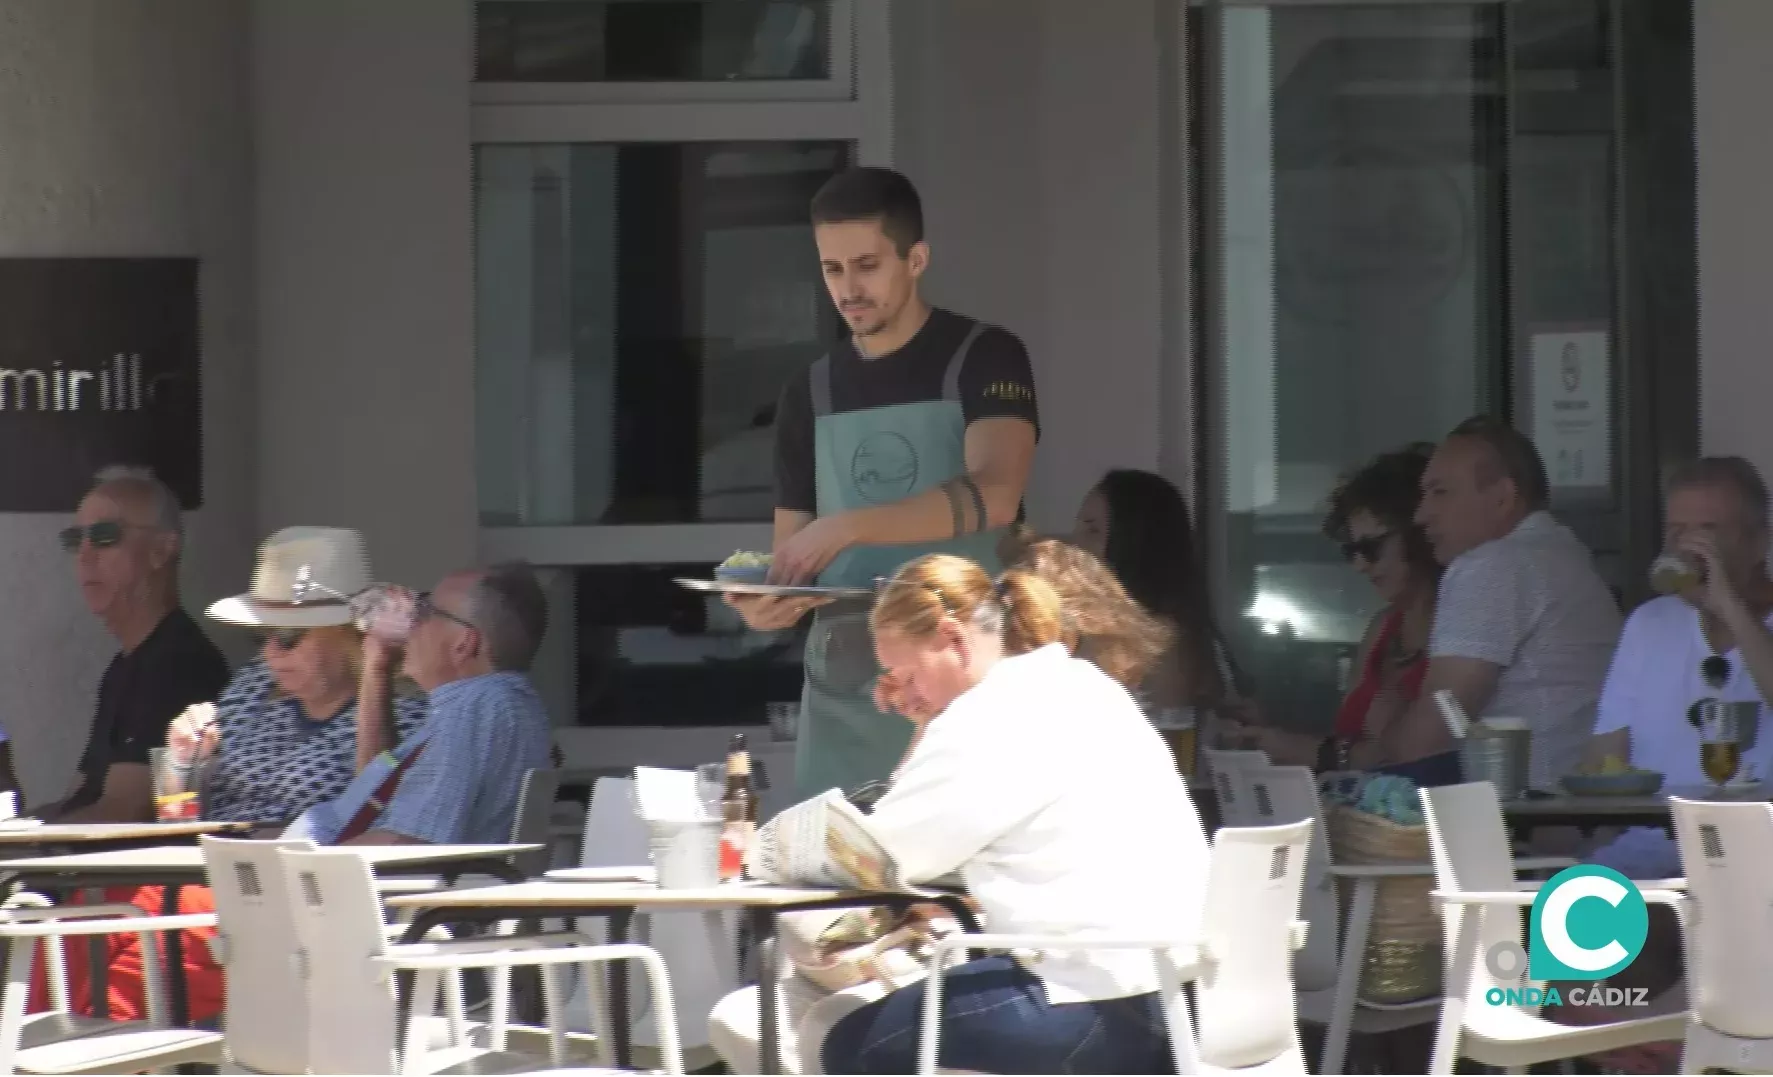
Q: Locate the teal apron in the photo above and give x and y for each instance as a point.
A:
(862, 459)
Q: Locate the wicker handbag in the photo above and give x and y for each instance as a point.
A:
(1403, 958)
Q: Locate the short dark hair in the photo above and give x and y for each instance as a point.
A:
(1732, 471)
(1388, 488)
(511, 613)
(873, 194)
(1516, 458)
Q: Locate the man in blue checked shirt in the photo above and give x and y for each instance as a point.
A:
(456, 781)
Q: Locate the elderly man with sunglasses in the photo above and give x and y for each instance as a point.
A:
(125, 541)
(469, 644)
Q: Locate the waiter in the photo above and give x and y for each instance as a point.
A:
(915, 436)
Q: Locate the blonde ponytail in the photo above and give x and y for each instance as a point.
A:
(1033, 616)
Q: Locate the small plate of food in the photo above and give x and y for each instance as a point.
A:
(1614, 777)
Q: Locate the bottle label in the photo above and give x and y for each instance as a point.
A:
(735, 842)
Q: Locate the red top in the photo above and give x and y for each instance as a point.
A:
(1351, 720)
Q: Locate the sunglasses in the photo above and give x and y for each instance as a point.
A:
(102, 535)
(424, 608)
(1367, 549)
(286, 639)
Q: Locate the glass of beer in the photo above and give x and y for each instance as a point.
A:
(1673, 573)
(1720, 742)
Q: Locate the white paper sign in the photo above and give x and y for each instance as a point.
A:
(1573, 408)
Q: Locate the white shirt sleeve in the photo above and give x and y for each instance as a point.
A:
(1480, 611)
(1621, 703)
(961, 789)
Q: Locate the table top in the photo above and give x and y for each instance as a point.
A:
(70, 833)
(189, 858)
(548, 894)
(1604, 806)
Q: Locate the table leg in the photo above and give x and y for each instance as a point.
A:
(769, 972)
(621, 923)
(98, 967)
(176, 983)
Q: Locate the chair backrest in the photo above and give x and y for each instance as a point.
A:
(1289, 795)
(1254, 879)
(267, 1002)
(1468, 843)
(534, 820)
(1227, 769)
(614, 834)
(1727, 854)
(338, 920)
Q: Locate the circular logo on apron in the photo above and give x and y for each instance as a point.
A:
(884, 467)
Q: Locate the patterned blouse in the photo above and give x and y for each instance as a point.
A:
(274, 763)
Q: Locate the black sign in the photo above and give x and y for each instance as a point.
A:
(99, 364)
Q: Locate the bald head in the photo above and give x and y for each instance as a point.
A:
(480, 621)
(1484, 480)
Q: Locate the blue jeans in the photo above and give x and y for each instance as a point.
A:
(996, 1019)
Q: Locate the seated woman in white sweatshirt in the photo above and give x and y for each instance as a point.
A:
(1041, 781)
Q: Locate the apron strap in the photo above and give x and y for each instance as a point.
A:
(951, 380)
(819, 381)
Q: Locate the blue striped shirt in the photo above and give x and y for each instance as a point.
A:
(484, 733)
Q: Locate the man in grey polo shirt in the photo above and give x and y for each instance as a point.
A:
(1524, 627)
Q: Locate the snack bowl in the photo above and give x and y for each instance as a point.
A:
(1631, 783)
(742, 573)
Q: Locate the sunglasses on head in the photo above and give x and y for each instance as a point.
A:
(287, 639)
(1367, 549)
(1715, 671)
(102, 535)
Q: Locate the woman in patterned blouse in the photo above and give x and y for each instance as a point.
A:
(284, 732)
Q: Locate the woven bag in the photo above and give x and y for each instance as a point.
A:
(1403, 958)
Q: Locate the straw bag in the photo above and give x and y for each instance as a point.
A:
(1403, 958)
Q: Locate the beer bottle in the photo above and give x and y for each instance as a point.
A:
(739, 808)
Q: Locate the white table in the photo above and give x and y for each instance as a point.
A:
(618, 901)
(75, 834)
(1589, 813)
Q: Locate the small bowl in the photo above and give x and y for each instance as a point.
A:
(1640, 783)
(742, 573)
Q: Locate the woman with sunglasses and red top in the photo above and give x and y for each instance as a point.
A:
(1371, 515)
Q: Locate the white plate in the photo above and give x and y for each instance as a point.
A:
(773, 590)
(19, 824)
(602, 875)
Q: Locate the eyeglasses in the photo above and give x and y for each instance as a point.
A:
(1367, 549)
(285, 639)
(424, 608)
(103, 535)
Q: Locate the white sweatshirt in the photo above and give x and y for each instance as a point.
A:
(1060, 805)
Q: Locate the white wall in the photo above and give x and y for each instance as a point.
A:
(124, 133)
(1732, 40)
(1031, 128)
(366, 394)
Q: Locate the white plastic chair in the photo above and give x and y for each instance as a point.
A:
(1229, 772)
(349, 968)
(1481, 905)
(1726, 850)
(59, 1041)
(700, 947)
(1240, 966)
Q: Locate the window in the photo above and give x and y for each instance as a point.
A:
(645, 282)
(640, 307)
(1410, 213)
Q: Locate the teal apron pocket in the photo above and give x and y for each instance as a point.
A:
(840, 653)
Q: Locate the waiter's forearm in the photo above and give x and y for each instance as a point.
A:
(963, 506)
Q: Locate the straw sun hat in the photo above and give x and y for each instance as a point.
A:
(304, 578)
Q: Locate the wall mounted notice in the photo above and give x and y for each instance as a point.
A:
(99, 365)
(1573, 407)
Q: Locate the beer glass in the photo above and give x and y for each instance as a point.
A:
(386, 612)
(1672, 573)
(1720, 742)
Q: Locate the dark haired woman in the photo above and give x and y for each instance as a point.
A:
(1372, 515)
(1139, 525)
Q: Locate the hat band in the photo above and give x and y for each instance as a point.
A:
(277, 604)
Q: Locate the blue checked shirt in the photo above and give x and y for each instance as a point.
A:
(484, 734)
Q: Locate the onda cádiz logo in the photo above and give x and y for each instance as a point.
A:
(1588, 923)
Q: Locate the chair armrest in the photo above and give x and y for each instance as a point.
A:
(1544, 863)
(1674, 885)
(1485, 897)
(409, 884)
(33, 913)
(508, 953)
(112, 925)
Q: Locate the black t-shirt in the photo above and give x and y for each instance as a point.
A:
(996, 381)
(142, 692)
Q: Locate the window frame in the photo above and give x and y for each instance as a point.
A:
(654, 112)
(840, 84)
